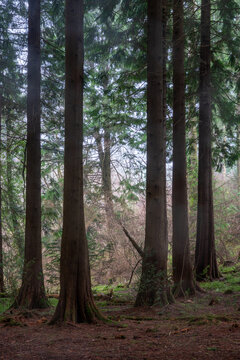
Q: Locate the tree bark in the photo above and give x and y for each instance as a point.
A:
(238, 164)
(182, 268)
(205, 254)
(153, 284)
(1, 237)
(32, 293)
(76, 301)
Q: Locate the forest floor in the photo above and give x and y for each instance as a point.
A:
(203, 327)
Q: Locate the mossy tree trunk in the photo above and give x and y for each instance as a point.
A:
(182, 268)
(238, 161)
(153, 284)
(1, 237)
(32, 294)
(205, 254)
(76, 301)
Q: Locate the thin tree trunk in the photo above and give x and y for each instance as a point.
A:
(76, 301)
(1, 237)
(107, 183)
(104, 154)
(153, 283)
(32, 293)
(205, 254)
(182, 268)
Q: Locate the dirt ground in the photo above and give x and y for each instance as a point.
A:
(190, 329)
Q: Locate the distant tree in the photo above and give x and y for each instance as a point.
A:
(205, 254)
(76, 301)
(104, 154)
(153, 283)
(182, 268)
(32, 294)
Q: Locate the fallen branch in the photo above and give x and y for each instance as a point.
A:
(130, 238)
(54, 296)
(130, 280)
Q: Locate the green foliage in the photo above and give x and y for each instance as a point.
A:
(231, 280)
(4, 304)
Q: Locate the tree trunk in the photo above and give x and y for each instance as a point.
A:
(32, 293)
(104, 154)
(1, 237)
(182, 268)
(107, 183)
(238, 165)
(76, 301)
(153, 283)
(205, 254)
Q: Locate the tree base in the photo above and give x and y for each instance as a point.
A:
(214, 275)
(79, 313)
(30, 298)
(184, 289)
(155, 298)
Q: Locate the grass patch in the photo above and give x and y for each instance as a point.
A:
(103, 303)
(4, 304)
(53, 302)
(231, 282)
(105, 289)
(112, 294)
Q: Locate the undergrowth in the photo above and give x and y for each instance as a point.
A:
(230, 281)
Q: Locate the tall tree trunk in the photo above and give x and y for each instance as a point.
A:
(76, 301)
(238, 163)
(1, 237)
(32, 293)
(205, 254)
(182, 268)
(153, 283)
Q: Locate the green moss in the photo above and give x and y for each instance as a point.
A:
(53, 302)
(231, 281)
(4, 304)
(101, 289)
(102, 303)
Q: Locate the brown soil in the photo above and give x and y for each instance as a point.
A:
(190, 329)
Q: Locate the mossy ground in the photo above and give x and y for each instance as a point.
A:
(115, 296)
(230, 280)
(202, 327)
